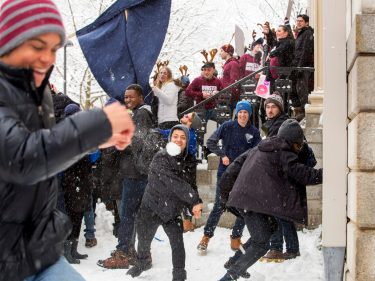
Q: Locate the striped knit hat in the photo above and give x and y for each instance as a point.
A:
(21, 20)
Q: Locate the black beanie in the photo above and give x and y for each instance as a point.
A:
(291, 131)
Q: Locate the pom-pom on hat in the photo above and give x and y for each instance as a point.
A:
(21, 20)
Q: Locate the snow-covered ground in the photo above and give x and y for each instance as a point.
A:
(308, 267)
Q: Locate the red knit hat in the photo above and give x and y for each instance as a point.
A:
(21, 20)
(228, 48)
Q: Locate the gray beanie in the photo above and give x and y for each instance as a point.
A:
(291, 131)
(275, 98)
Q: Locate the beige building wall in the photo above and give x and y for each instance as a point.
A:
(361, 140)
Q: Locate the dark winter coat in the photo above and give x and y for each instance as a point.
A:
(111, 175)
(304, 48)
(77, 185)
(305, 156)
(171, 185)
(200, 85)
(282, 55)
(33, 151)
(271, 126)
(60, 101)
(264, 181)
(235, 141)
(116, 165)
(184, 102)
(143, 120)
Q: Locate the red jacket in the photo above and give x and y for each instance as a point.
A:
(201, 84)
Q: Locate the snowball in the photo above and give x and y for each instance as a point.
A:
(173, 149)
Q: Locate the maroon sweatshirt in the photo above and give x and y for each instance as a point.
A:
(248, 65)
(231, 74)
(201, 84)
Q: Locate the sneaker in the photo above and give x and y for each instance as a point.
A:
(202, 246)
(91, 242)
(235, 243)
(273, 256)
(188, 225)
(230, 262)
(118, 260)
(291, 255)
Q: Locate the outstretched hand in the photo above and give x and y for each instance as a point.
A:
(122, 126)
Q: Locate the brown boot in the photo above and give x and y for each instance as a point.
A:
(202, 246)
(273, 256)
(291, 255)
(299, 113)
(235, 243)
(118, 260)
(91, 242)
(188, 225)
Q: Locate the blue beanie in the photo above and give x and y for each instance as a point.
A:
(70, 109)
(244, 105)
(185, 80)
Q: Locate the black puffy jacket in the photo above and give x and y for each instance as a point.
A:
(171, 185)
(265, 180)
(32, 151)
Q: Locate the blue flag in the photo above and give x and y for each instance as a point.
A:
(122, 51)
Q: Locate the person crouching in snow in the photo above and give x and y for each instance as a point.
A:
(265, 187)
(168, 191)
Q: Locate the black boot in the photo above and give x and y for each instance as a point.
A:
(232, 261)
(139, 267)
(68, 253)
(75, 254)
(179, 274)
(228, 277)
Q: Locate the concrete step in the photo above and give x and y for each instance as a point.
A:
(213, 162)
(206, 177)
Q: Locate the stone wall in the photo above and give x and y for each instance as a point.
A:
(361, 142)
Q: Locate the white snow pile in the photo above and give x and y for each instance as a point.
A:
(173, 149)
(308, 267)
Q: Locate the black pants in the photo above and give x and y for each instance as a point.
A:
(147, 225)
(300, 90)
(261, 227)
(76, 219)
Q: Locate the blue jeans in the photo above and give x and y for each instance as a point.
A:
(132, 193)
(89, 218)
(59, 271)
(214, 217)
(286, 230)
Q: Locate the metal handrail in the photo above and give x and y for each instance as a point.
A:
(218, 94)
(239, 82)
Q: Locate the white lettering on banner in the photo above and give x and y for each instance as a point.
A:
(209, 89)
(250, 66)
